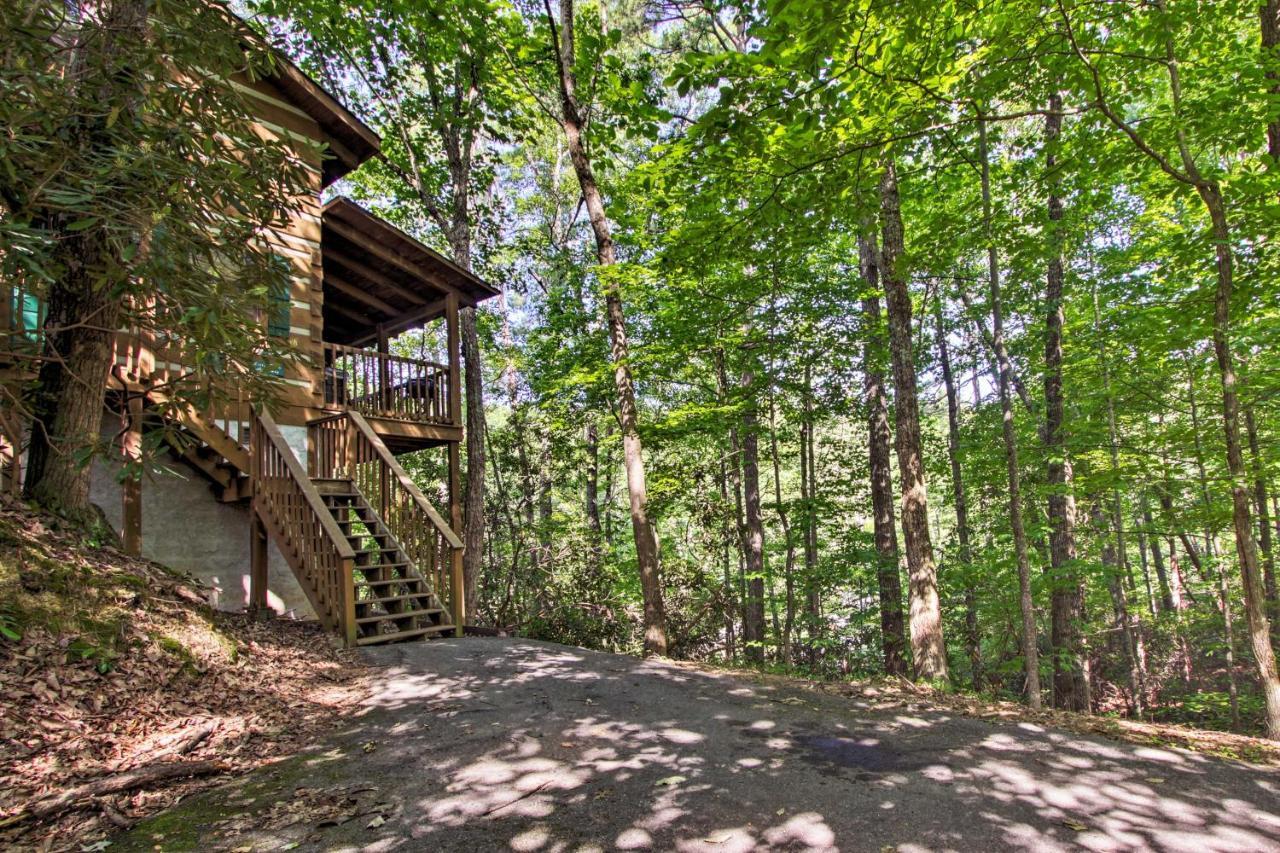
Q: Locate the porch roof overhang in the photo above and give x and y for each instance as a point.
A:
(380, 280)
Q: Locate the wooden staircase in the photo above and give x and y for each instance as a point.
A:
(215, 449)
(375, 559)
(202, 447)
(393, 600)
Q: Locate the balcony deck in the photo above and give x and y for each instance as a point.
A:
(406, 400)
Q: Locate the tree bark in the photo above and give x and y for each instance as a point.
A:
(1269, 18)
(784, 522)
(929, 653)
(1263, 508)
(1242, 518)
(753, 637)
(1120, 606)
(473, 526)
(83, 305)
(1030, 652)
(808, 496)
(1157, 559)
(893, 629)
(1070, 684)
(573, 125)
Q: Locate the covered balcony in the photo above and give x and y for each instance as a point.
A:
(378, 283)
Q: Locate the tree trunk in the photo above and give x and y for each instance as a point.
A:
(1120, 606)
(928, 649)
(571, 121)
(973, 640)
(1210, 193)
(1143, 545)
(591, 498)
(1030, 652)
(788, 575)
(1119, 554)
(1070, 684)
(808, 489)
(893, 630)
(753, 637)
(1241, 516)
(732, 526)
(83, 306)
(1263, 508)
(1157, 559)
(473, 526)
(1269, 15)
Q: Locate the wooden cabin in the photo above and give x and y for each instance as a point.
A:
(306, 511)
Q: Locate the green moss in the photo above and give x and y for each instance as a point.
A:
(190, 665)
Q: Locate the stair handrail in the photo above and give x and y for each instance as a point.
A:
(403, 478)
(332, 592)
(341, 452)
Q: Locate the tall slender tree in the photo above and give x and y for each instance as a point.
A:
(893, 637)
(573, 123)
(1004, 381)
(928, 651)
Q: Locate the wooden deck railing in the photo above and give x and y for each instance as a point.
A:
(291, 508)
(381, 385)
(345, 447)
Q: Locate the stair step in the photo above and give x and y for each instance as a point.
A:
(386, 582)
(408, 597)
(370, 535)
(402, 635)
(396, 617)
(396, 564)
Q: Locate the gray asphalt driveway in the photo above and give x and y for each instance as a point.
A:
(499, 744)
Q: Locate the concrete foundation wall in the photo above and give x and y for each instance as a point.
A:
(184, 526)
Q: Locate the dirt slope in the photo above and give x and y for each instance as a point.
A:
(121, 687)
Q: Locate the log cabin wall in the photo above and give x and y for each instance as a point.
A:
(298, 243)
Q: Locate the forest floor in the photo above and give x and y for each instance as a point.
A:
(122, 691)
(494, 743)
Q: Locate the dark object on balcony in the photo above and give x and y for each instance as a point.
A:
(335, 386)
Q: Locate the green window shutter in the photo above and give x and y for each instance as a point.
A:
(27, 313)
(278, 312)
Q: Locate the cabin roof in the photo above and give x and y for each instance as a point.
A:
(350, 140)
(377, 275)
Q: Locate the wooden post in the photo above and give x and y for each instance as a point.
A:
(457, 593)
(384, 371)
(458, 600)
(257, 563)
(455, 352)
(349, 601)
(131, 488)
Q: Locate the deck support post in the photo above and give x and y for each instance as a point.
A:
(455, 353)
(131, 488)
(257, 564)
(384, 370)
(457, 589)
(456, 583)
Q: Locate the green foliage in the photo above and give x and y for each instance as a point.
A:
(739, 149)
(145, 149)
